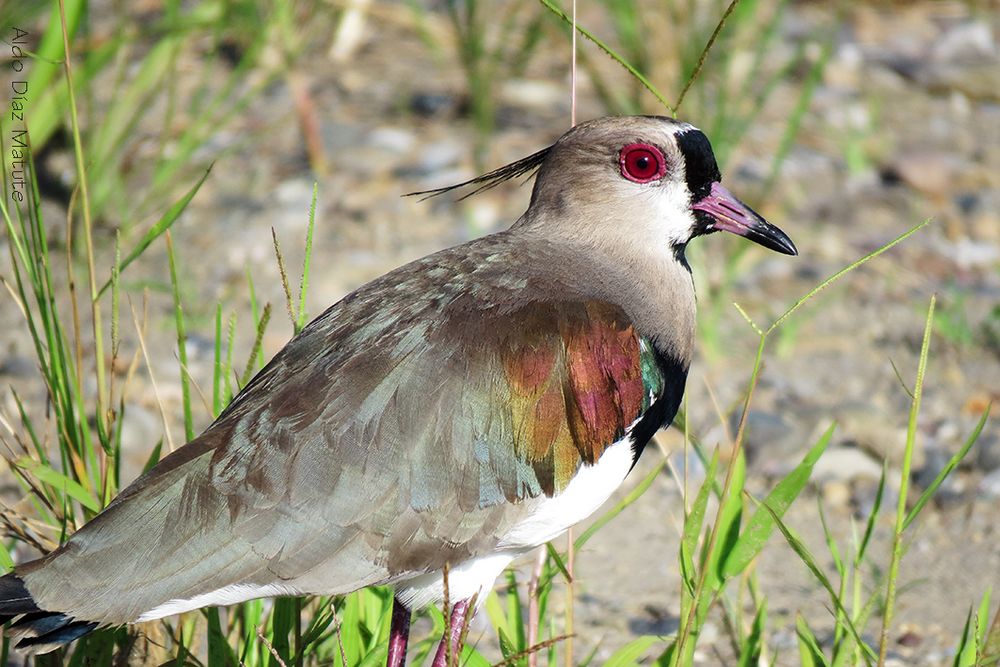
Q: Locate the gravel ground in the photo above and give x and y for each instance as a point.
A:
(904, 125)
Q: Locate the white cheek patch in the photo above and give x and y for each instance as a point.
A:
(666, 212)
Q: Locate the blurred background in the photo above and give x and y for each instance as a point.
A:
(845, 123)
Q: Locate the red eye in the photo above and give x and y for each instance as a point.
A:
(642, 163)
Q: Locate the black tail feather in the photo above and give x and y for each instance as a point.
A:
(70, 631)
(15, 598)
(37, 630)
(38, 623)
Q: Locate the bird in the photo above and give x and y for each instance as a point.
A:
(434, 424)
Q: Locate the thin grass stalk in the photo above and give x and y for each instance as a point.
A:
(611, 53)
(217, 363)
(688, 622)
(904, 485)
(300, 321)
(704, 54)
(181, 341)
(533, 611)
(570, 595)
(88, 232)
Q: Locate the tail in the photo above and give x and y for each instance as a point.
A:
(36, 630)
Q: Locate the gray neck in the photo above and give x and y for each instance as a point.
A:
(650, 283)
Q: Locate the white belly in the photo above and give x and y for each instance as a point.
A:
(582, 496)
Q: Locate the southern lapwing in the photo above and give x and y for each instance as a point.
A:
(453, 414)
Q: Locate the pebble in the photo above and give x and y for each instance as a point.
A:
(989, 486)
(967, 253)
(534, 94)
(846, 463)
(427, 104)
(881, 439)
(987, 451)
(964, 42)
(980, 81)
(929, 172)
(836, 493)
(394, 139)
(17, 365)
(765, 439)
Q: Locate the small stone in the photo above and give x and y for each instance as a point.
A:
(929, 172)
(979, 81)
(426, 104)
(964, 42)
(836, 493)
(17, 365)
(870, 431)
(967, 253)
(989, 486)
(433, 159)
(393, 139)
(762, 437)
(532, 94)
(988, 451)
(846, 463)
(909, 639)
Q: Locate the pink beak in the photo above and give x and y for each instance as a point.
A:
(720, 210)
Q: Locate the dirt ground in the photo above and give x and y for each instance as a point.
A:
(904, 125)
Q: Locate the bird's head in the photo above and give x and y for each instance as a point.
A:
(647, 177)
(653, 174)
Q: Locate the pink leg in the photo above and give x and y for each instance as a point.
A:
(458, 615)
(399, 634)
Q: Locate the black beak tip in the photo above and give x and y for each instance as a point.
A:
(772, 238)
(786, 247)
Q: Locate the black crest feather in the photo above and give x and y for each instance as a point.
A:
(494, 178)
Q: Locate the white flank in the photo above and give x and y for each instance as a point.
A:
(232, 594)
(587, 491)
(470, 578)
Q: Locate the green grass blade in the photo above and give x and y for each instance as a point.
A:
(283, 620)
(558, 560)
(558, 11)
(951, 465)
(219, 653)
(629, 655)
(730, 518)
(870, 523)
(990, 653)
(161, 226)
(693, 526)
(753, 646)
(810, 654)
(258, 343)
(59, 481)
(181, 341)
(217, 369)
(802, 551)
(761, 525)
(300, 322)
(798, 112)
(965, 652)
(904, 484)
